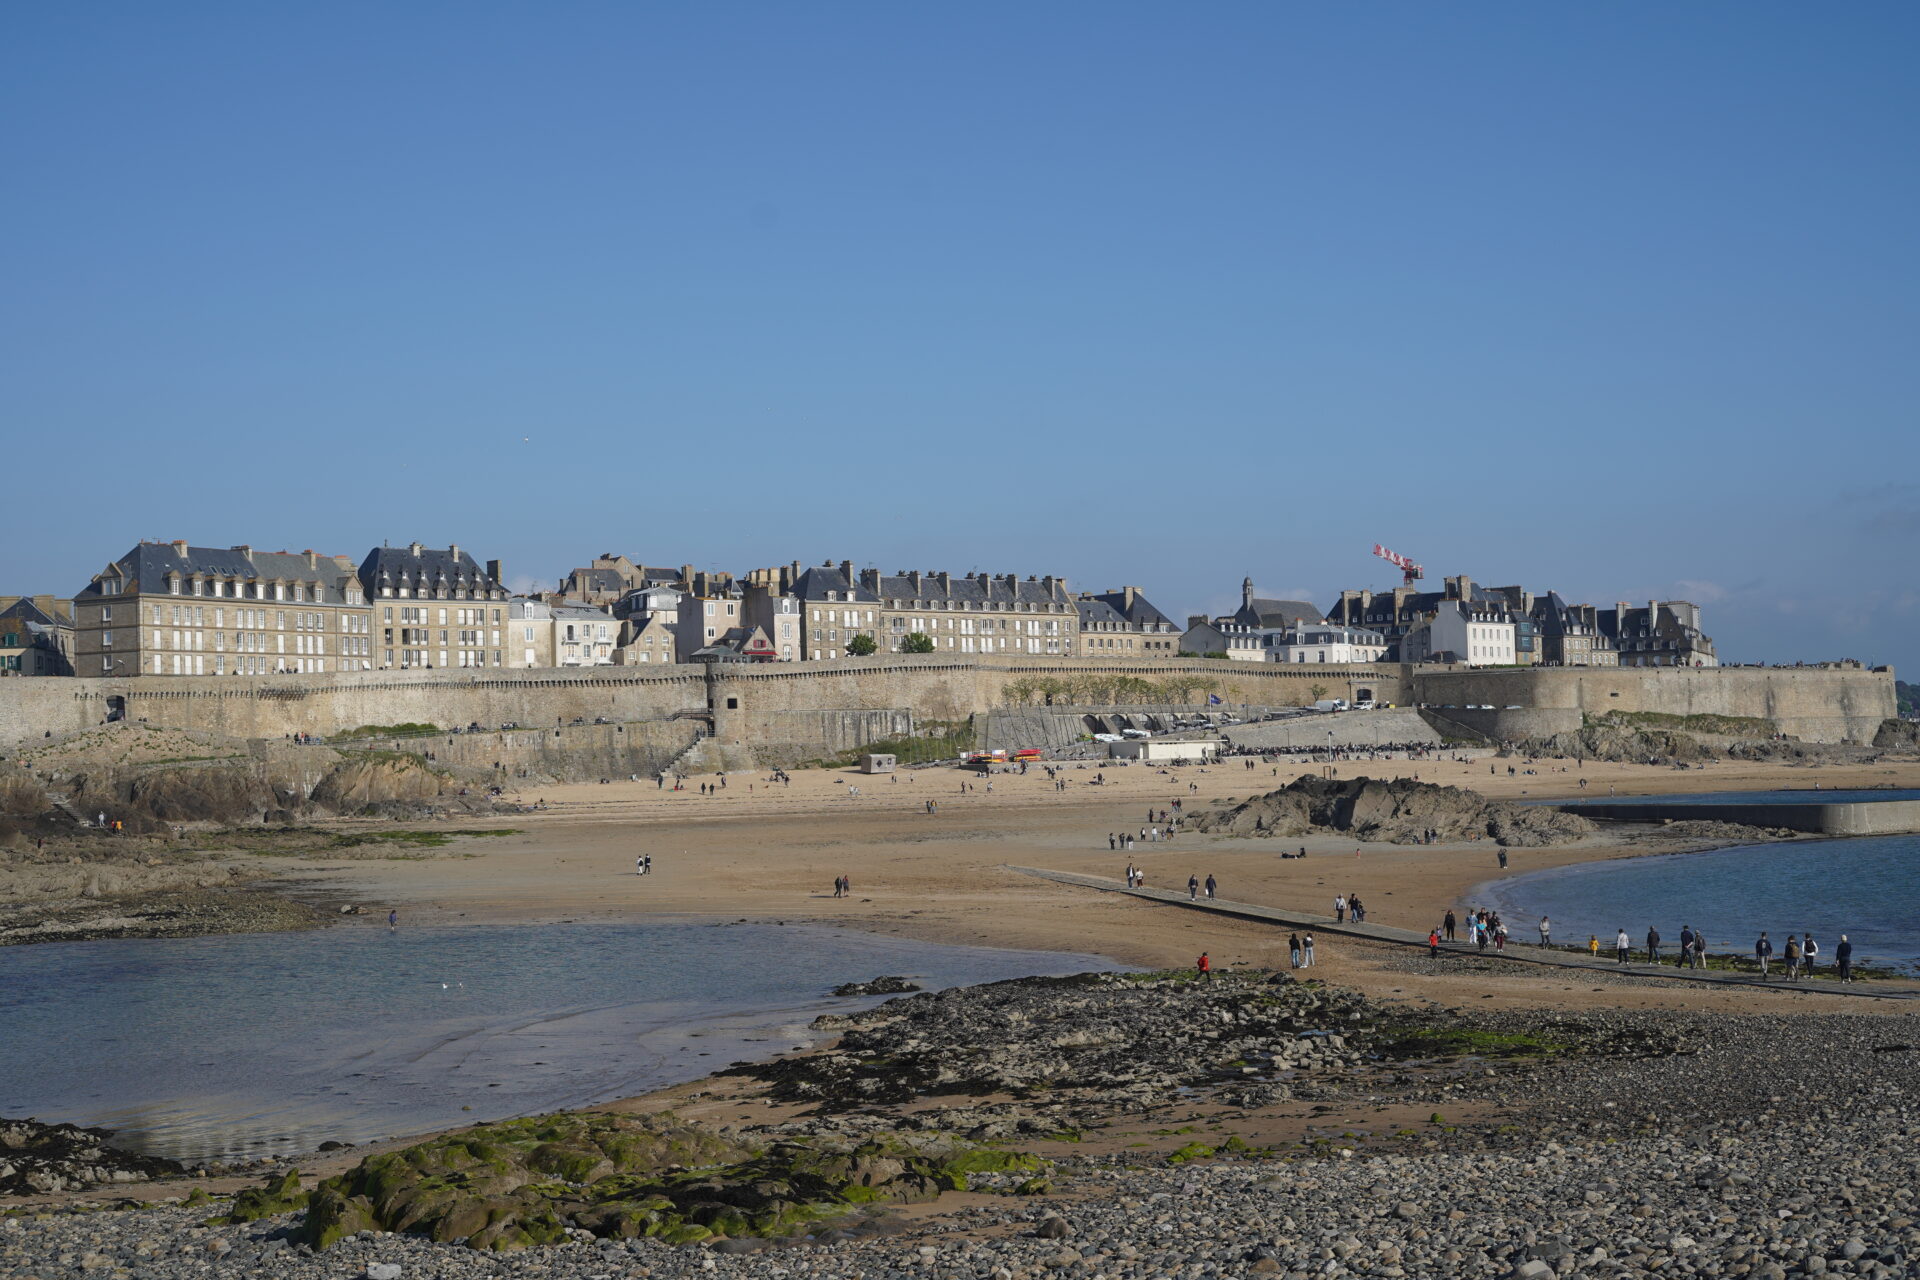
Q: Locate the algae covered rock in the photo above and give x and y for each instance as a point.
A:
(1396, 811)
(276, 1196)
(524, 1182)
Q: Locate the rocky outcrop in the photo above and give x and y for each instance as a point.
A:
(1898, 735)
(37, 1159)
(1621, 744)
(883, 986)
(1394, 811)
(357, 784)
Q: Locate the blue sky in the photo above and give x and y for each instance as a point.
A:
(1619, 299)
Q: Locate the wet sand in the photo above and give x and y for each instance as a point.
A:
(769, 851)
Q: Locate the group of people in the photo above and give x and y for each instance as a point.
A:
(1483, 927)
(1194, 886)
(1802, 953)
(843, 886)
(643, 865)
(1347, 905)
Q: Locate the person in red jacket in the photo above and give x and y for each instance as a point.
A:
(1205, 966)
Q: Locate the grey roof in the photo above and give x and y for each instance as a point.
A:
(1097, 612)
(26, 611)
(1278, 613)
(986, 590)
(598, 579)
(1140, 614)
(417, 567)
(817, 581)
(148, 566)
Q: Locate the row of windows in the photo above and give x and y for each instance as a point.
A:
(425, 658)
(242, 590)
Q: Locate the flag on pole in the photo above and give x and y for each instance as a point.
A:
(1213, 699)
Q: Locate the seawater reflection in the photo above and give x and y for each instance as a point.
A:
(245, 1045)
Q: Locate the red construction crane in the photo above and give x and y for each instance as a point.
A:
(1407, 567)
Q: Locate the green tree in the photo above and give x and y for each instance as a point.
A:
(918, 642)
(862, 646)
(1318, 691)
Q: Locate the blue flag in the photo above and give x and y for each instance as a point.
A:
(1213, 699)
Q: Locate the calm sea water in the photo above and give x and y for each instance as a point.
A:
(1867, 888)
(219, 1047)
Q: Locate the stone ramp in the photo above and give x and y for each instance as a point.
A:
(1397, 726)
(1517, 952)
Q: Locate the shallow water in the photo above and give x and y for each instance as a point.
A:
(259, 1043)
(1867, 888)
(1797, 795)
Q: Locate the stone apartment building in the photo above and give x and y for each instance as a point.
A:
(435, 608)
(1123, 624)
(1570, 634)
(818, 609)
(975, 612)
(610, 578)
(583, 636)
(529, 642)
(167, 608)
(776, 611)
(1664, 634)
(1478, 634)
(1278, 615)
(711, 604)
(36, 636)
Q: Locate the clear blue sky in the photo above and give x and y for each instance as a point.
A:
(1619, 299)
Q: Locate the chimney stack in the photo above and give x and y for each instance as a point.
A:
(454, 551)
(846, 571)
(497, 571)
(180, 547)
(313, 559)
(245, 551)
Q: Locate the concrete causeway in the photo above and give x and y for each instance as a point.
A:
(1518, 953)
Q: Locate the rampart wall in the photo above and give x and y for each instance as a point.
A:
(778, 707)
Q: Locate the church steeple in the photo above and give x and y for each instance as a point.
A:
(1246, 593)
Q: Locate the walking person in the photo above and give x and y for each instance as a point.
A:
(1686, 945)
(1433, 945)
(1843, 959)
(1622, 946)
(1205, 966)
(646, 865)
(1546, 932)
(1653, 945)
(1293, 949)
(1792, 957)
(1808, 950)
(1339, 908)
(1211, 886)
(1451, 924)
(1193, 888)
(640, 866)
(1480, 935)
(393, 921)
(1306, 951)
(1763, 952)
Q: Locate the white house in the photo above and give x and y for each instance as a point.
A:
(583, 637)
(1329, 642)
(1475, 634)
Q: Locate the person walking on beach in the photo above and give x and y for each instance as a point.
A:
(1433, 945)
(1622, 946)
(1339, 908)
(1451, 924)
(393, 921)
(1293, 949)
(1356, 908)
(1686, 945)
(1593, 945)
(1792, 957)
(1306, 951)
(1193, 888)
(646, 865)
(1763, 952)
(1546, 932)
(640, 866)
(1211, 886)
(1843, 959)
(1204, 966)
(1808, 950)
(1653, 945)
(1481, 934)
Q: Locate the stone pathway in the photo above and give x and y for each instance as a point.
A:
(1516, 952)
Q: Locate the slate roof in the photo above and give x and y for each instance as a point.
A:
(1142, 615)
(1097, 612)
(986, 590)
(148, 566)
(416, 567)
(597, 580)
(1278, 613)
(817, 581)
(24, 610)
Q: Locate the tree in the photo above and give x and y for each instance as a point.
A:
(861, 646)
(1318, 691)
(918, 642)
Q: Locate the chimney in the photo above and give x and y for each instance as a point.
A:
(313, 558)
(496, 570)
(846, 571)
(946, 581)
(1128, 594)
(454, 551)
(686, 576)
(414, 548)
(180, 547)
(246, 551)
(918, 588)
(870, 579)
(1196, 620)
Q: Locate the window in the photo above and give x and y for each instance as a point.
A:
(106, 613)
(106, 639)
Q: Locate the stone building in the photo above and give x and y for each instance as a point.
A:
(1225, 638)
(529, 642)
(435, 608)
(1123, 624)
(975, 612)
(167, 608)
(1664, 634)
(611, 577)
(1570, 634)
(36, 636)
(646, 639)
(1327, 642)
(778, 613)
(1256, 611)
(584, 637)
(822, 607)
(1478, 634)
(711, 605)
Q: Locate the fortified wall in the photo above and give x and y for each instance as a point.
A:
(797, 712)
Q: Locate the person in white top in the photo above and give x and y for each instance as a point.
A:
(1622, 946)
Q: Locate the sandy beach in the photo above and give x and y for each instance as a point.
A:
(764, 850)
